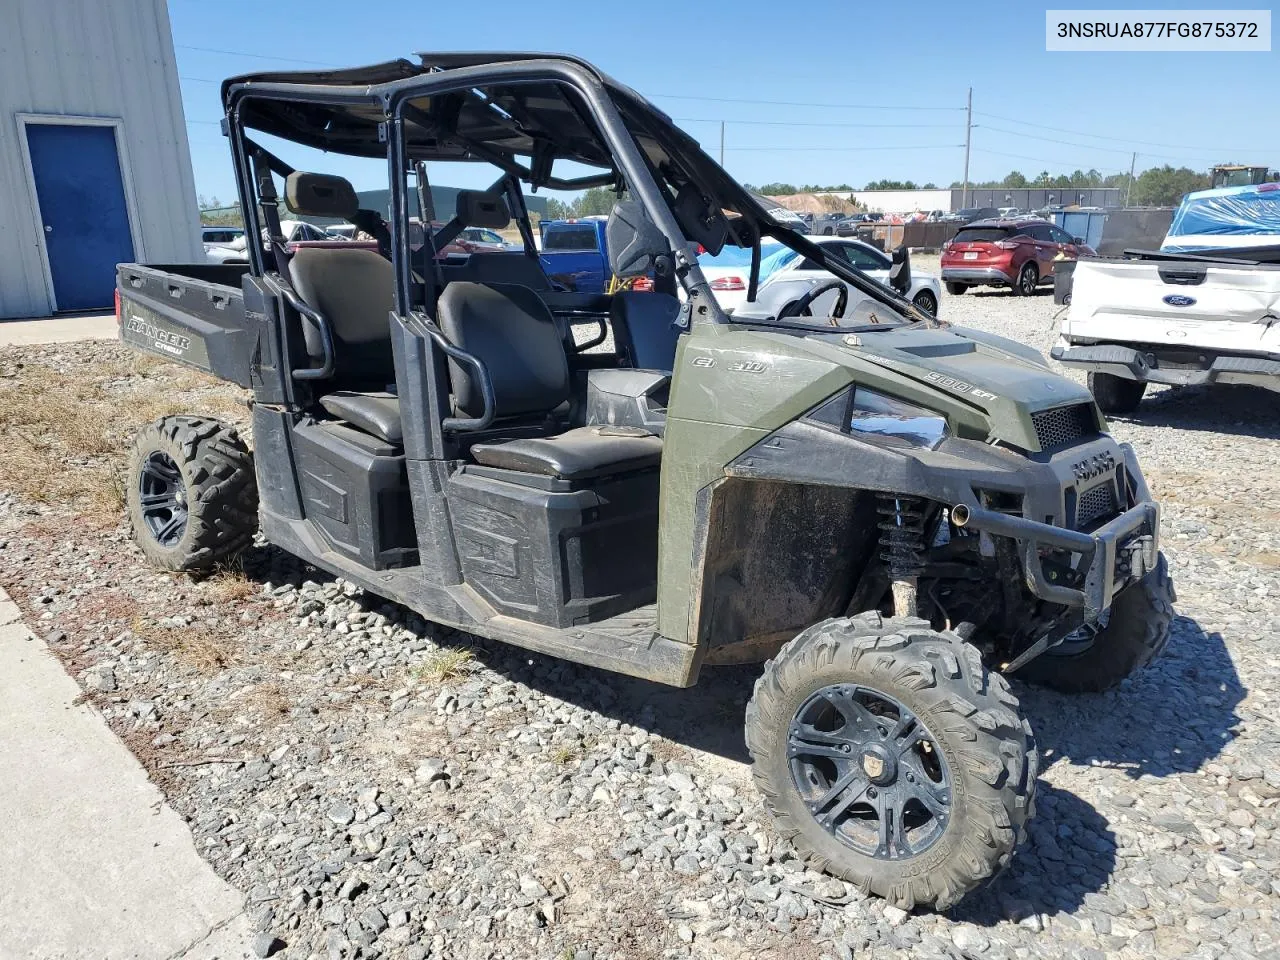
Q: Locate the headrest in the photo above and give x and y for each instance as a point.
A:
(701, 222)
(320, 195)
(482, 208)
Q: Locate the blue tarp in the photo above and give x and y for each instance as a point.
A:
(1227, 217)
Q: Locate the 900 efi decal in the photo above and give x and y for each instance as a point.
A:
(145, 329)
(959, 386)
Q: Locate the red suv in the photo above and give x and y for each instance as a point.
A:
(1007, 253)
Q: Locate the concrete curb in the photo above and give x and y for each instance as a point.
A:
(97, 865)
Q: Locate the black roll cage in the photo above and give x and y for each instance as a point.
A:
(630, 164)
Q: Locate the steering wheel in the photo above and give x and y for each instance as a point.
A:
(800, 307)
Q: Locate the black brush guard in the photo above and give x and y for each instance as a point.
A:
(1115, 555)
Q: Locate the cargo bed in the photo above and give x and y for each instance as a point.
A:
(192, 313)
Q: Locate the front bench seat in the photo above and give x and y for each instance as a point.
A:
(377, 413)
(512, 332)
(575, 454)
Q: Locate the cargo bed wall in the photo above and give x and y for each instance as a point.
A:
(192, 313)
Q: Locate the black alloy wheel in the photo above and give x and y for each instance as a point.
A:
(869, 771)
(162, 496)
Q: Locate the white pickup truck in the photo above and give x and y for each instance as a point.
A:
(1156, 317)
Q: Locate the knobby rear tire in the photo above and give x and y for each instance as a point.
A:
(219, 489)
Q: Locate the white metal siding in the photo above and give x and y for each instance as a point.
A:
(96, 58)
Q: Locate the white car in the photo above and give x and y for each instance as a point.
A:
(236, 250)
(729, 271)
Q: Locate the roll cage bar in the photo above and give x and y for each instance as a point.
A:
(368, 111)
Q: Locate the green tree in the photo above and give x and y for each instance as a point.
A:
(1014, 180)
(1045, 179)
(1165, 186)
(558, 210)
(778, 190)
(595, 202)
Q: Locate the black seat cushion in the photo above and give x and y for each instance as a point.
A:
(575, 454)
(375, 413)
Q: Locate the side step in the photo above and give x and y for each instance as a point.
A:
(627, 643)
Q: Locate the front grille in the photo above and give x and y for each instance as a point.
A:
(1095, 504)
(1063, 426)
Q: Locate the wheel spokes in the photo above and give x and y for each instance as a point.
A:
(807, 740)
(858, 719)
(931, 794)
(162, 472)
(844, 793)
(172, 528)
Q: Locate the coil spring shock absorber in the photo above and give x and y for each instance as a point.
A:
(901, 547)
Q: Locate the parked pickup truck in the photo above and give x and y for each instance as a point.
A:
(1172, 318)
(574, 254)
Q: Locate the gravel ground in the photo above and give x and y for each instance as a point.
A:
(381, 787)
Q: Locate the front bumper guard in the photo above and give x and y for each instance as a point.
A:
(1115, 555)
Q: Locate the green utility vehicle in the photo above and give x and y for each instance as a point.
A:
(888, 511)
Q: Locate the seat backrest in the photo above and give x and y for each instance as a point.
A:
(354, 290)
(497, 268)
(482, 208)
(644, 329)
(511, 331)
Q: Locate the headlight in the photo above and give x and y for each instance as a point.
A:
(876, 413)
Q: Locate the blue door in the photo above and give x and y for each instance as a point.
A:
(82, 211)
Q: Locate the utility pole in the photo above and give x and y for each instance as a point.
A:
(1129, 184)
(722, 143)
(968, 137)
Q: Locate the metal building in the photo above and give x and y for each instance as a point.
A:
(95, 168)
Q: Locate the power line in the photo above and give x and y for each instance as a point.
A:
(1020, 156)
(1097, 136)
(1068, 143)
(819, 123)
(901, 146)
(792, 103)
(1091, 146)
(257, 56)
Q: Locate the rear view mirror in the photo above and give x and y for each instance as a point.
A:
(1078, 241)
(634, 241)
(900, 271)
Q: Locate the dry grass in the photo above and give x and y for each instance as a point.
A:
(562, 756)
(197, 647)
(447, 663)
(229, 582)
(66, 434)
(270, 700)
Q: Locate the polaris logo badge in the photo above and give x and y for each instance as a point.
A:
(1178, 300)
(1095, 466)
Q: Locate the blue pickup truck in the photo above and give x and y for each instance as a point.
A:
(574, 254)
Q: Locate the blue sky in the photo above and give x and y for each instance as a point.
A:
(859, 91)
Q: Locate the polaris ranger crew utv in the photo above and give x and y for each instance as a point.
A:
(891, 510)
